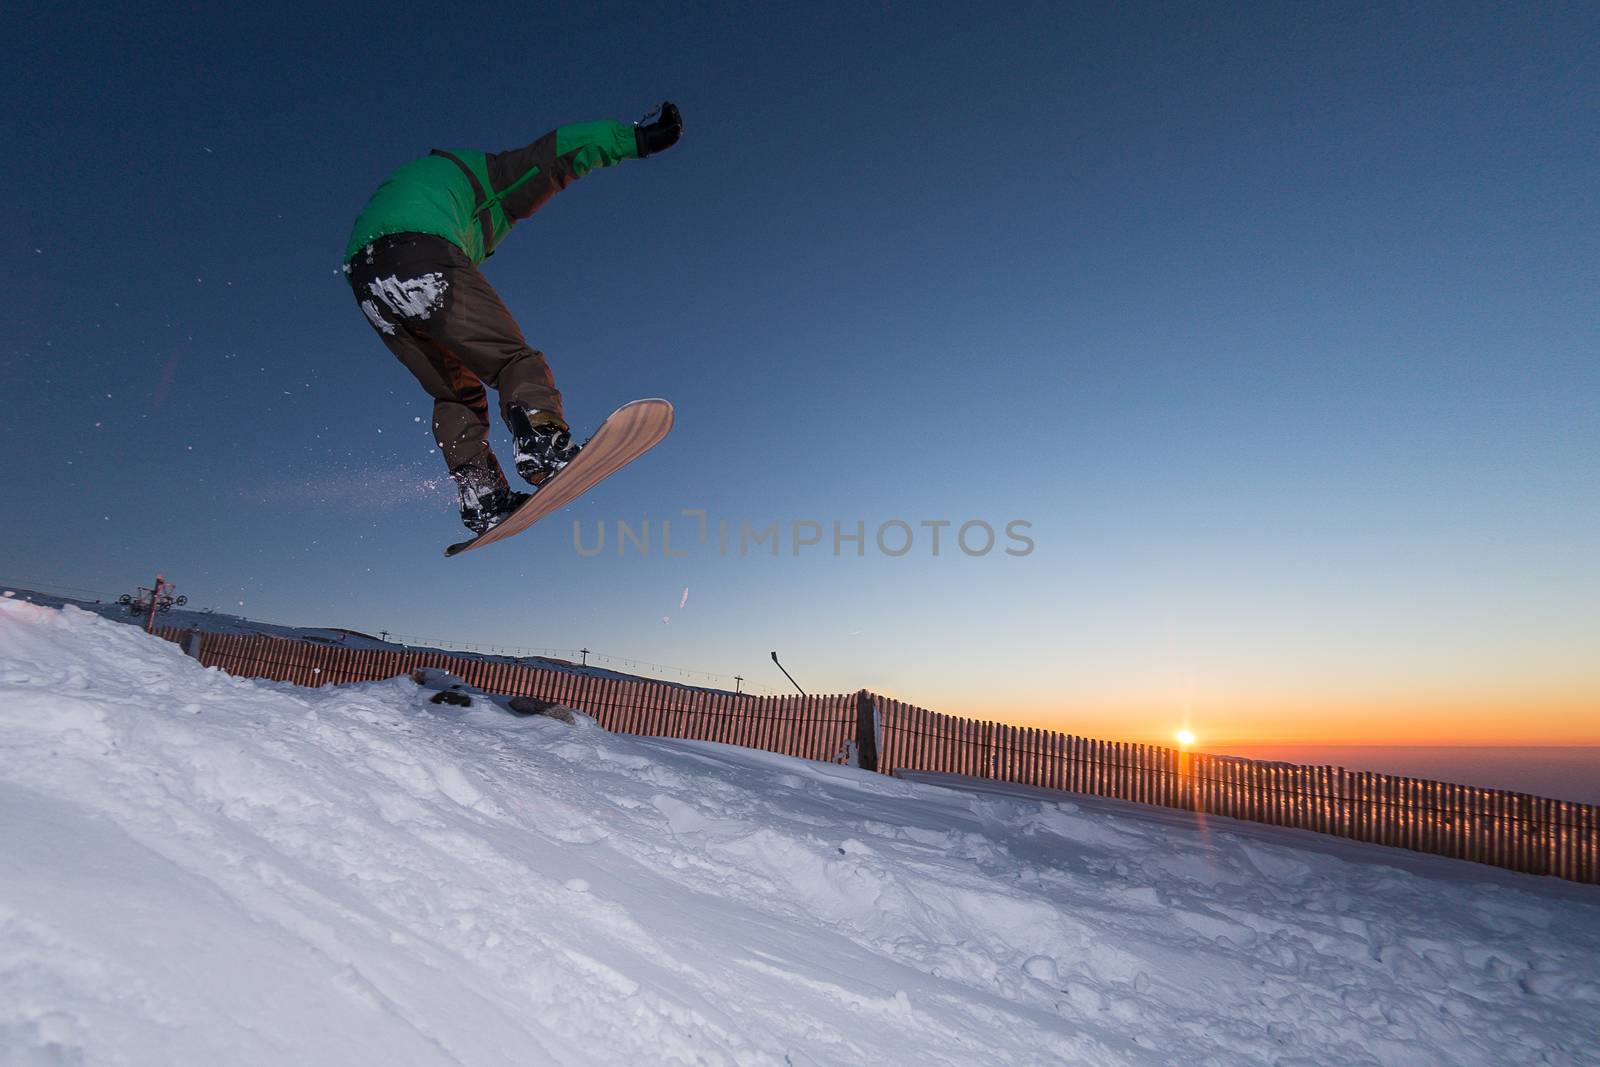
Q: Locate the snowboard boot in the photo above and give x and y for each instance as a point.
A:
(543, 441)
(486, 498)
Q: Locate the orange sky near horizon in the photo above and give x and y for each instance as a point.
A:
(1496, 720)
(1397, 666)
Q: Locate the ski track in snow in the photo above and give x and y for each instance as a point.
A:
(197, 869)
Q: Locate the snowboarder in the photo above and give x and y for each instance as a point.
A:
(413, 262)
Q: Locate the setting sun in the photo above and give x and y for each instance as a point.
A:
(1185, 737)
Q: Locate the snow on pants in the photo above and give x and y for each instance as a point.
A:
(438, 314)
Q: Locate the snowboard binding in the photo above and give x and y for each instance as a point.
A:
(543, 442)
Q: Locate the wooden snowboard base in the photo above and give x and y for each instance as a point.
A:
(628, 433)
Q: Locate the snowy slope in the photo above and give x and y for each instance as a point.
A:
(217, 622)
(196, 869)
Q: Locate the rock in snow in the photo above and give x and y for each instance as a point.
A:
(197, 869)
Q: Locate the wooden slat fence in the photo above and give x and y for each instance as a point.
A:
(811, 727)
(1518, 831)
(1505, 829)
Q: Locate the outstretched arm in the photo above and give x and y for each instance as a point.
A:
(524, 178)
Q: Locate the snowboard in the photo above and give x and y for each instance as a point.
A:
(628, 433)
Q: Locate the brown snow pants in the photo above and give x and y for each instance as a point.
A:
(440, 317)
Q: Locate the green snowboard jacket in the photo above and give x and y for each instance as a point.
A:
(472, 199)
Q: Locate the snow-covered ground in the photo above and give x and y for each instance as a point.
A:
(196, 869)
(217, 622)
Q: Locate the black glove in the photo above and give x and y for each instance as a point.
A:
(663, 133)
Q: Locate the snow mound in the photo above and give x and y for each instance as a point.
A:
(197, 869)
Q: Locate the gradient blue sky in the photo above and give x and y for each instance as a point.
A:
(1278, 323)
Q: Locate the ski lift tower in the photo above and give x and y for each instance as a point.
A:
(150, 601)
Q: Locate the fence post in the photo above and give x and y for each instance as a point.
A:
(190, 643)
(869, 731)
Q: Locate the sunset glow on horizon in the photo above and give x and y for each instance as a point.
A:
(1253, 719)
